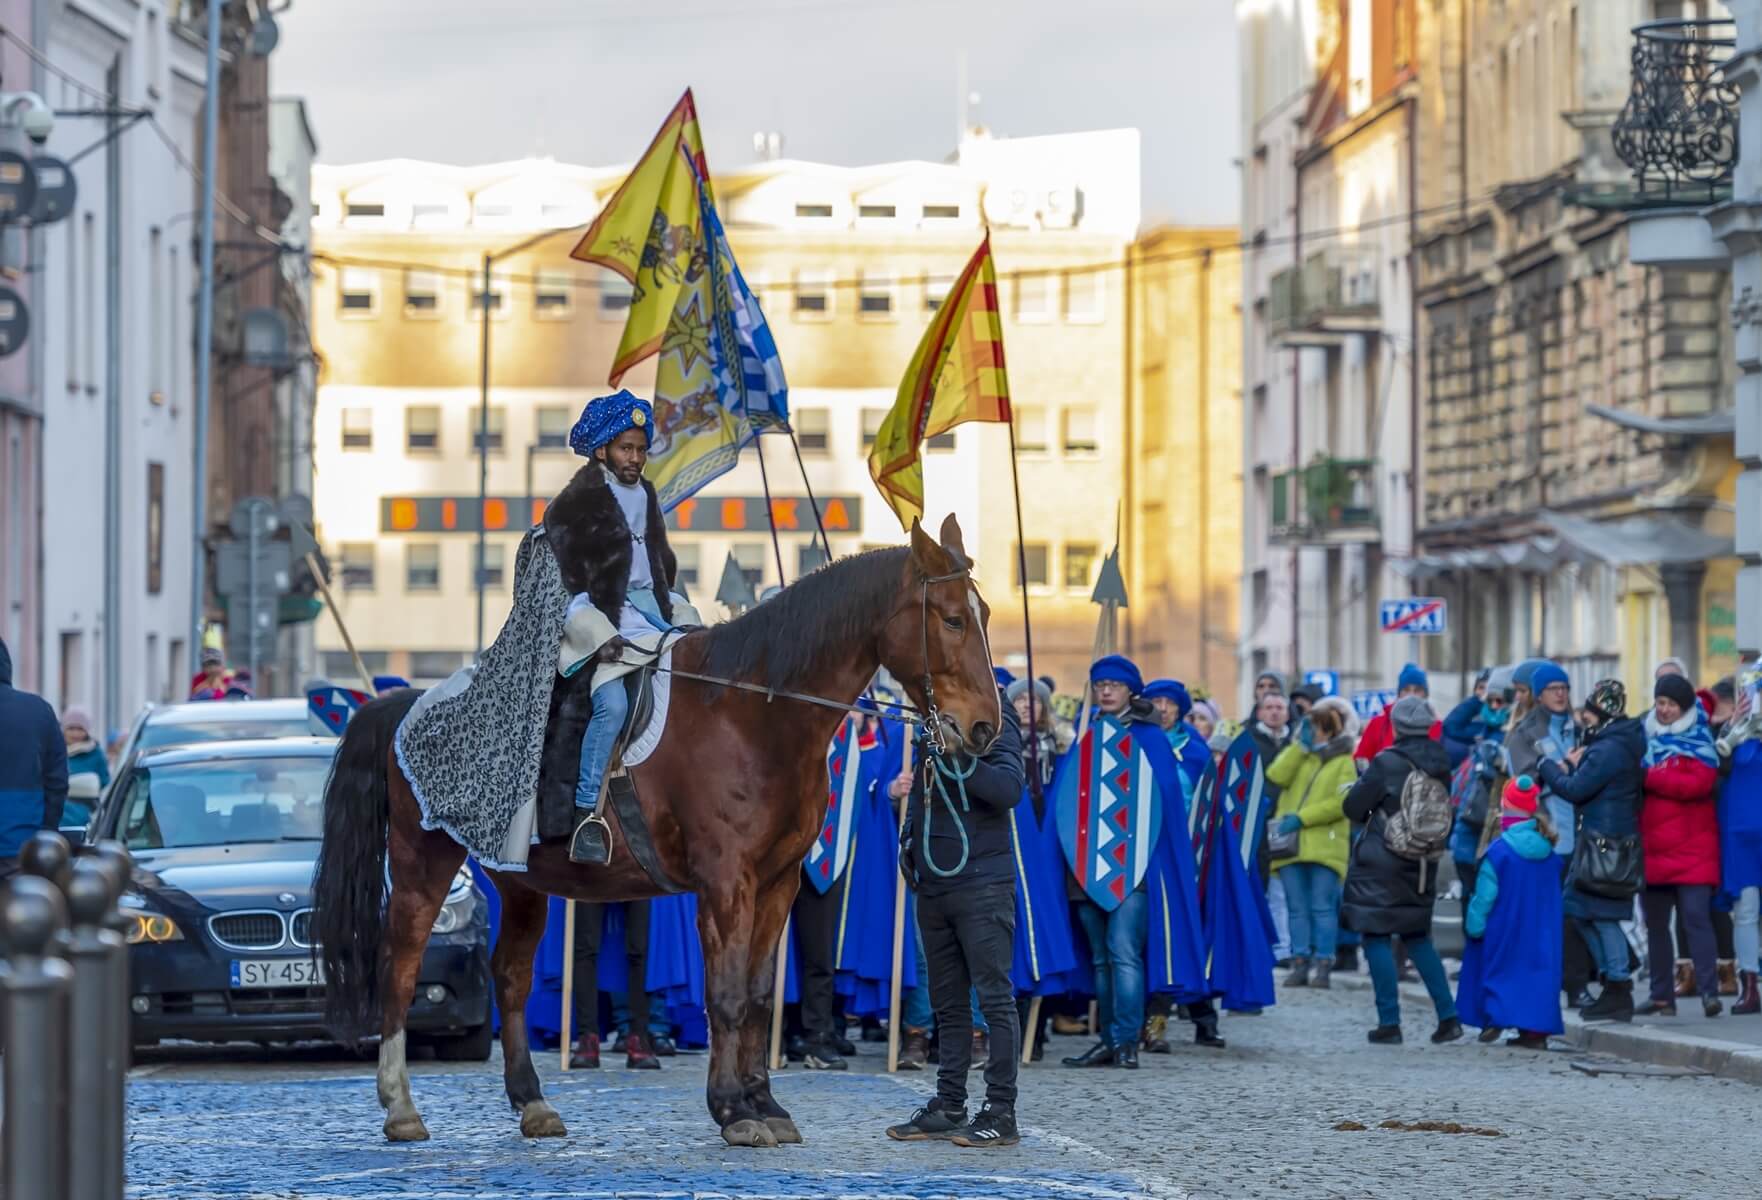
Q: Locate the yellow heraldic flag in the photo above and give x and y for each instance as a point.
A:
(957, 375)
(651, 232)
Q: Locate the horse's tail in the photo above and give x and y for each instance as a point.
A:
(348, 884)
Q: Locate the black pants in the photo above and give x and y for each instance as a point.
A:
(816, 947)
(1693, 903)
(969, 943)
(1576, 968)
(1722, 933)
(589, 926)
(1466, 873)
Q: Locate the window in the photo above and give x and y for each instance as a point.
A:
(174, 305)
(340, 664)
(155, 317)
(434, 664)
(155, 528)
(750, 558)
(424, 216)
(872, 418)
(1038, 572)
(497, 419)
(1083, 296)
(73, 307)
(421, 293)
(689, 556)
(93, 307)
(813, 211)
(813, 429)
(1080, 565)
(809, 557)
(875, 301)
(1030, 429)
(357, 566)
(1080, 431)
(1033, 297)
(365, 210)
(877, 212)
(421, 567)
(491, 566)
(813, 295)
(422, 427)
(492, 212)
(942, 212)
(553, 427)
(614, 297)
(357, 429)
(936, 289)
(561, 214)
(358, 292)
(940, 441)
(553, 294)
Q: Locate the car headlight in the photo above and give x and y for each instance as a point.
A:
(151, 927)
(460, 906)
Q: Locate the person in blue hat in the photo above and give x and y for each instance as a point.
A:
(623, 542)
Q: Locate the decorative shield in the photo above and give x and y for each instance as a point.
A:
(1202, 818)
(1245, 794)
(332, 706)
(831, 850)
(1109, 812)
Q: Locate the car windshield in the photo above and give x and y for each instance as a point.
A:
(236, 729)
(226, 802)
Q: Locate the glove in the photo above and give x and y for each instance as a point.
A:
(612, 650)
(1290, 823)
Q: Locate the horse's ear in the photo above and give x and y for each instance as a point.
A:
(951, 540)
(930, 559)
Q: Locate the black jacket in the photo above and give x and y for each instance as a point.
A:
(1382, 893)
(995, 786)
(1607, 788)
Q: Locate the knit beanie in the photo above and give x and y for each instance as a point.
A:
(1677, 688)
(1521, 795)
(1412, 677)
(1412, 717)
(1608, 699)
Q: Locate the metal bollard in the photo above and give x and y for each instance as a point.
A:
(94, 1066)
(119, 867)
(47, 856)
(35, 989)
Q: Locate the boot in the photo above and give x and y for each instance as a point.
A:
(914, 1049)
(1384, 1035)
(1749, 996)
(591, 844)
(1728, 977)
(1528, 1041)
(637, 1054)
(1447, 1031)
(1318, 974)
(1099, 1055)
(1346, 958)
(586, 1055)
(1156, 1035)
(1657, 1008)
(1615, 1004)
(1711, 1007)
(1299, 976)
(1126, 1056)
(1685, 978)
(1205, 1032)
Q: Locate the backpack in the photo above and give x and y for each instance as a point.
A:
(1420, 829)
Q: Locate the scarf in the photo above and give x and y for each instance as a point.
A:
(85, 747)
(1686, 737)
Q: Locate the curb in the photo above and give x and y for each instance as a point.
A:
(1740, 1061)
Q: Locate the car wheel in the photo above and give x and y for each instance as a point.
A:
(474, 1046)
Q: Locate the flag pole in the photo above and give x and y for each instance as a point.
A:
(564, 1031)
(899, 889)
(825, 542)
(770, 516)
(1032, 734)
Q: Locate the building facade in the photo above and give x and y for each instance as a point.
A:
(849, 264)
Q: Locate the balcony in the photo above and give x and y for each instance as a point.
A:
(1678, 131)
(1331, 296)
(1331, 501)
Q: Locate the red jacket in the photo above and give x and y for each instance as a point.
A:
(1379, 735)
(1679, 823)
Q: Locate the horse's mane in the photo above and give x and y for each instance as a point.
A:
(779, 641)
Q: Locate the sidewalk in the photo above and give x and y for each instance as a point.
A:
(1727, 1046)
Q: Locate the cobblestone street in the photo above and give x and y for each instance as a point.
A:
(1257, 1120)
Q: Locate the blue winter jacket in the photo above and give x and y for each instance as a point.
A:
(1462, 728)
(1528, 842)
(33, 764)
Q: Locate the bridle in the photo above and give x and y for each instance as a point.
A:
(932, 719)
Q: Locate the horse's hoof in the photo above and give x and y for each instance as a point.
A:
(541, 1120)
(784, 1130)
(748, 1132)
(405, 1129)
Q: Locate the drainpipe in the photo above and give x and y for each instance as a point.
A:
(111, 714)
(1204, 462)
(1291, 499)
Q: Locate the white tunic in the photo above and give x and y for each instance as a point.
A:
(633, 500)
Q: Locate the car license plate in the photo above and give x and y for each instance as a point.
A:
(276, 973)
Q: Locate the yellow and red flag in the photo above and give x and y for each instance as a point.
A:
(651, 231)
(957, 375)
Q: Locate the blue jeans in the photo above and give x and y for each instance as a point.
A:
(1608, 946)
(1116, 951)
(1379, 955)
(914, 1005)
(1312, 898)
(610, 706)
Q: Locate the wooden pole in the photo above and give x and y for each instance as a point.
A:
(568, 978)
(1028, 1031)
(777, 997)
(336, 613)
(898, 923)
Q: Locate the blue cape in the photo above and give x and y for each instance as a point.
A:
(1046, 962)
(1740, 819)
(1511, 975)
(1176, 956)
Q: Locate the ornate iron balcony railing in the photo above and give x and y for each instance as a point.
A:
(1678, 131)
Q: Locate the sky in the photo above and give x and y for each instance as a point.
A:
(844, 81)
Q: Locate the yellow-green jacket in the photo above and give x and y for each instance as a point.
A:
(1313, 784)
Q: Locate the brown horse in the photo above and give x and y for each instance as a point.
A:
(733, 796)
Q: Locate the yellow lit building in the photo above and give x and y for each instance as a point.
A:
(849, 263)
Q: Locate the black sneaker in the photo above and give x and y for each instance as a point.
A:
(795, 1047)
(992, 1127)
(929, 1124)
(1448, 1031)
(1384, 1035)
(822, 1055)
